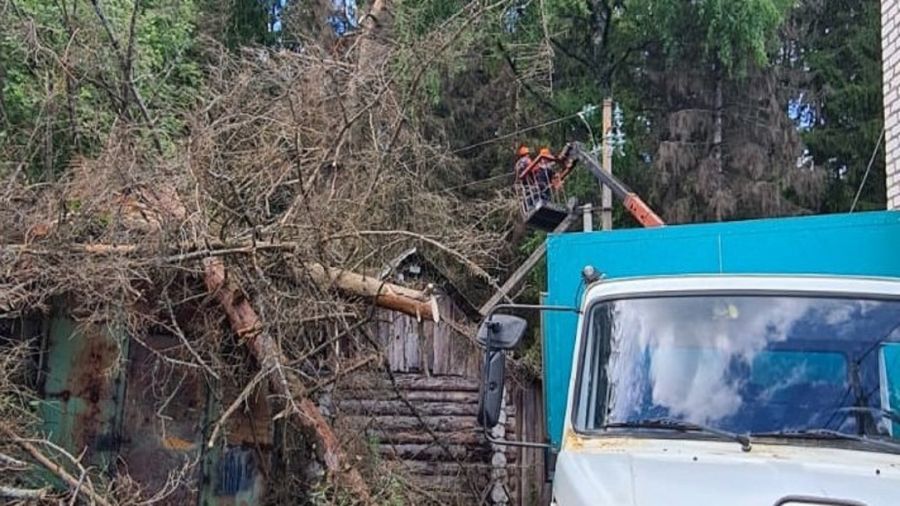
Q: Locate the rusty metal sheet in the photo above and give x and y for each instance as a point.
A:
(163, 421)
(149, 418)
(83, 387)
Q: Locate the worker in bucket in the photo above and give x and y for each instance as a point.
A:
(545, 172)
(524, 180)
(523, 160)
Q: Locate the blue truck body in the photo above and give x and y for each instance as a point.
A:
(860, 244)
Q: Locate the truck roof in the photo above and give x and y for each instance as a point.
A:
(859, 244)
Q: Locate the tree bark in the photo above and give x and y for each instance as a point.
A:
(717, 142)
(247, 325)
(374, 48)
(23, 494)
(717, 134)
(386, 295)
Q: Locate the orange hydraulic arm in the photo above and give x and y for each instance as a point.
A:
(575, 152)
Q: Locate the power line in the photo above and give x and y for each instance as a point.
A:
(478, 181)
(868, 169)
(515, 133)
(463, 185)
(497, 139)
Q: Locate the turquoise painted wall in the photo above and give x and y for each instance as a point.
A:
(864, 244)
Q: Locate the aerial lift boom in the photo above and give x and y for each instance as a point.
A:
(553, 217)
(548, 215)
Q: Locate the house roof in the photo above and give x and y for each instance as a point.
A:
(412, 264)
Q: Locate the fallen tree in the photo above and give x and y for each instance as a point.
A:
(386, 295)
(299, 188)
(383, 294)
(247, 326)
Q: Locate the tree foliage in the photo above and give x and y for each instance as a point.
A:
(730, 33)
(70, 73)
(833, 50)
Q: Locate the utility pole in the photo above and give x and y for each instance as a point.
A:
(606, 201)
(587, 217)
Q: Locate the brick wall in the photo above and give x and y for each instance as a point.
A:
(890, 50)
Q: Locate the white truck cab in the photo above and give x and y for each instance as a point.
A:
(734, 390)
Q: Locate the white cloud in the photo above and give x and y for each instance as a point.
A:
(690, 343)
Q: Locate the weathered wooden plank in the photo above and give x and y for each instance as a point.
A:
(442, 342)
(437, 423)
(389, 329)
(413, 396)
(431, 452)
(364, 381)
(529, 484)
(426, 329)
(411, 345)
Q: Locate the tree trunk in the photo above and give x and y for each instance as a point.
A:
(373, 46)
(386, 295)
(717, 144)
(248, 327)
(717, 133)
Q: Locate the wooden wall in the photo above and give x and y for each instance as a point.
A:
(527, 470)
(423, 426)
(427, 347)
(423, 429)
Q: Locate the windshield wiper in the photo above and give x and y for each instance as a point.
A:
(680, 425)
(827, 434)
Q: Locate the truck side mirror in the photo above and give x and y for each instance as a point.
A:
(497, 333)
(501, 332)
(490, 398)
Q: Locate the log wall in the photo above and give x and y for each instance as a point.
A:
(423, 429)
(423, 425)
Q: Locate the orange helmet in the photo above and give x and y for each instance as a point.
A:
(523, 150)
(545, 152)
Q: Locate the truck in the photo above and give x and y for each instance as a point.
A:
(743, 363)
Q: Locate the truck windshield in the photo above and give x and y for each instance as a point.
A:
(779, 366)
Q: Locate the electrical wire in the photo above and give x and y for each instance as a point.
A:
(515, 133)
(464, 185)
(497, 139)
(478, 181)
(868, 169)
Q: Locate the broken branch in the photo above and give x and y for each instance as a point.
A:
(386, 295)
(247, 325)
(53, 467)
(23, 493)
